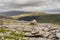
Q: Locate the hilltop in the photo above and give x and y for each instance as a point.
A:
(29, 14)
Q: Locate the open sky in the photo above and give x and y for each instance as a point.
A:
(30, 5)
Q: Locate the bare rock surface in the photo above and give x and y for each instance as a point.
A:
(41, 31)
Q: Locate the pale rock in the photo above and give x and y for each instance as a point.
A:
(58, 34)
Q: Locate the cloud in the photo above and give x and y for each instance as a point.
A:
(53, 10)
(30, 5)
(15, 4)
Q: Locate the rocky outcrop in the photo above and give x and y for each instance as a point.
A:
(41, 31)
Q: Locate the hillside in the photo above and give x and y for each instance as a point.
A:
(46, 18)
(6, 20)
(29, 14)
(43, 18)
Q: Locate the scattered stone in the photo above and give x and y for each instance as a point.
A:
(41, 31)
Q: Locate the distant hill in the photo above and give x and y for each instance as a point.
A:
(44, 18)
(13, 13)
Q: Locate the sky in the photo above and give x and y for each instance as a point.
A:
(30, 5)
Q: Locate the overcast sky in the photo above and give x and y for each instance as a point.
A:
(30, 5)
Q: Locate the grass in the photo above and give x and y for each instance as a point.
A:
(17, 35)
(8, 37)
(2, 30)
(12, 35)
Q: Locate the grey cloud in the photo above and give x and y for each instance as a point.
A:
(34, 3)
(14, 5)
(52, 10)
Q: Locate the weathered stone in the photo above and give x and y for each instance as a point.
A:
(1, 34)
(33, 22)
(41, 31)
(58, 34)
(28, 34)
